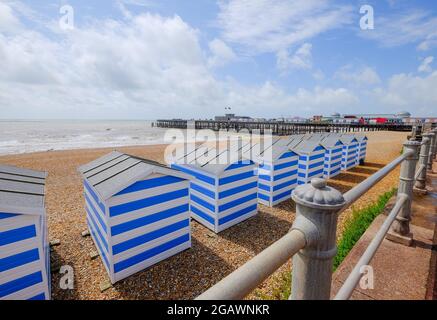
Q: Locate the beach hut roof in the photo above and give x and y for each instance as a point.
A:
(252, 151)
(330, 142)
(293, 143)
(348, 138)
(116, 171)
(361, 138)
(216, 161)
(306, 146)
(277, 150)
(235, 152)
(22, 190)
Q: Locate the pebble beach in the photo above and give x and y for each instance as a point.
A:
(211, 257)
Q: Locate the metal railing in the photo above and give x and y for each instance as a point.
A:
(311, 241)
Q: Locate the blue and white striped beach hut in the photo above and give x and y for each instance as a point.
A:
(24, 247)
(137, 212)
(350, 151)
(223, 190)
(277, 173)
(333, 155)
(311, 160)
(362, 140)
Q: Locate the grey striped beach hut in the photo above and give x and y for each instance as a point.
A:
(223, 188)
(137, 212)
(350, 152)
(24, 247)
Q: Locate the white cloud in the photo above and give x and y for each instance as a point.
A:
(270, 100)
(426, 65)
(429, 43)
(8, 21)
(149, 63)
(399, 29)
(147, 66)
(414, 93)
(319, 75)
(272, 25)
(362, 76)
(301, 59)
(221, 53)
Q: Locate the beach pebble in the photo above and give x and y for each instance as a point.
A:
(55, 242)
(94, 255)
(85, 233)
(105, 285)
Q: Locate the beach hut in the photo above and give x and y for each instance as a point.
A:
(223, 188)
(350, 151)
(24, 247)
(333, 155)
(137, 212)
(277, 174)
(311, 160)
(362, 140)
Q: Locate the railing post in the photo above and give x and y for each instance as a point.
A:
(420, 184)
(317, 207)
(434, 145)
(432, 136)
(400, 231)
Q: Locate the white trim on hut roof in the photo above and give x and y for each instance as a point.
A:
(116, 171)
(22, 190)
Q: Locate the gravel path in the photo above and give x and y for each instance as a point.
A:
(211, 257)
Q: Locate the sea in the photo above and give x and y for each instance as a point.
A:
(46, 135)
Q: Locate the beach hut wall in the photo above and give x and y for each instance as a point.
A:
(333, 155)
(311, 160)
(350, 152)
(223, 189)
(24, 246)
(277, 174)
(137, 212)
(362, 140)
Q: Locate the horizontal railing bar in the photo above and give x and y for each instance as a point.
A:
(246, 278)
(351, 282)
(419, 171)
(356, 192)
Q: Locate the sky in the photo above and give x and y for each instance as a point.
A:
(149, 59)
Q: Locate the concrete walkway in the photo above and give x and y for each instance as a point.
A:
(400, 272)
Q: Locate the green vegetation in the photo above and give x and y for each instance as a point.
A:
(284, 291)
(281, 291)
(358, 224)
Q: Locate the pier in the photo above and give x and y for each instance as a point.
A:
(280, 128)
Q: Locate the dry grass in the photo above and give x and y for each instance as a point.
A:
(211, 257)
